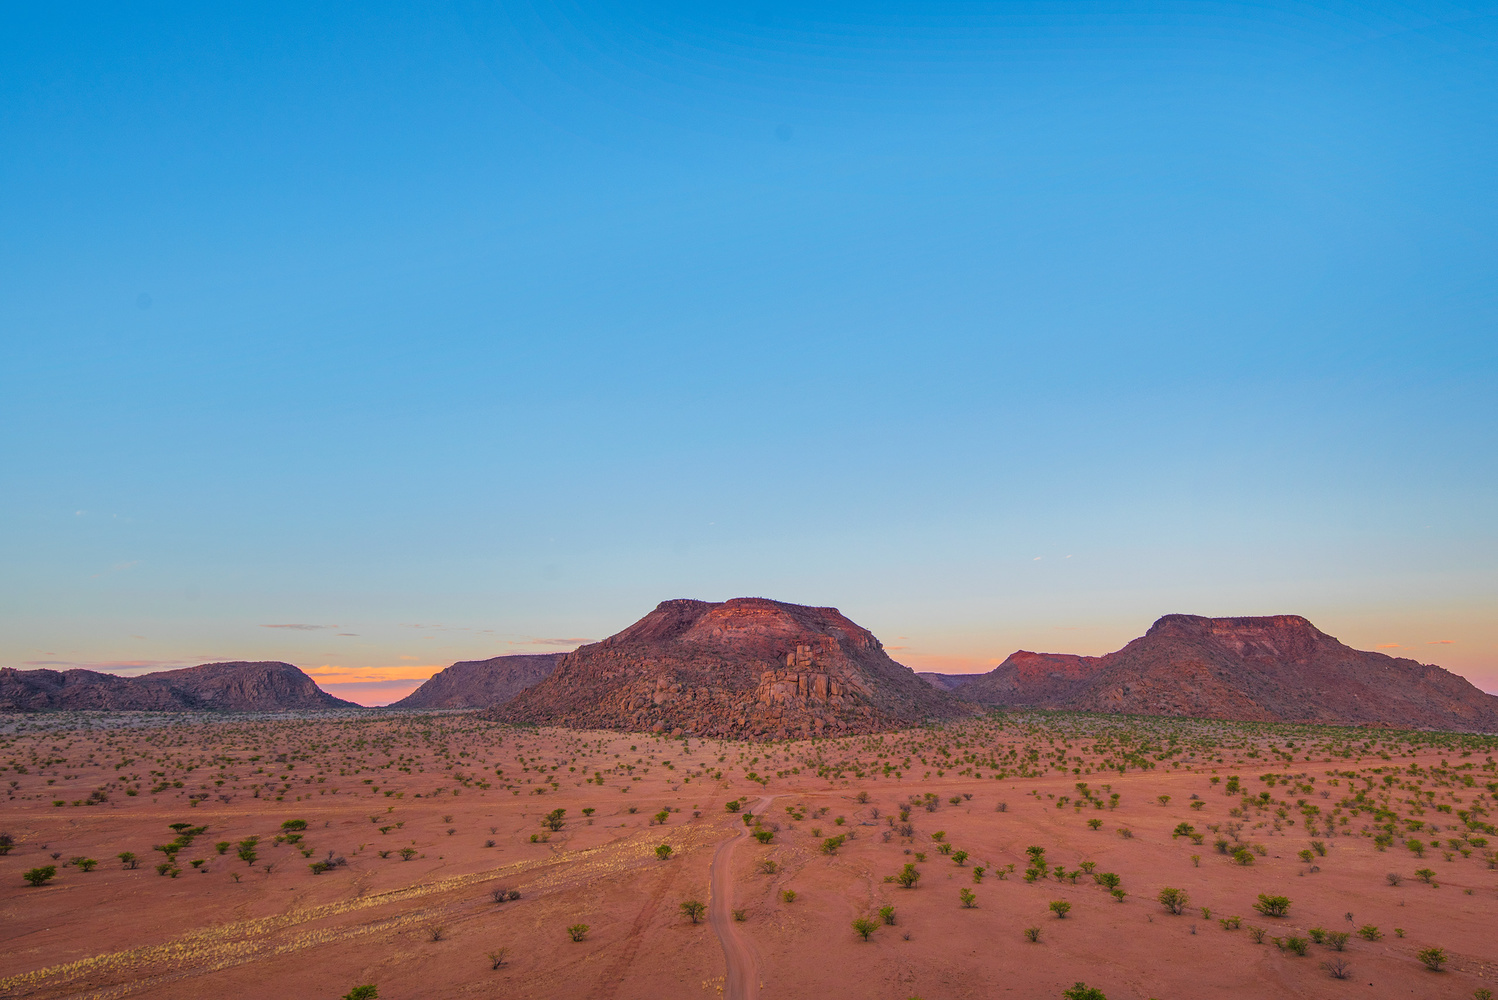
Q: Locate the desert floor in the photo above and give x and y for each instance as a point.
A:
(1382, 833)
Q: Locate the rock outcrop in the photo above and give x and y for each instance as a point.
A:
(748, 667)
(225, 687)
(482, 683)
(1278, 668)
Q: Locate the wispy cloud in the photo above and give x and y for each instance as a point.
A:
(548, 642)
(300, 627)
(332, 673)
(1440, 642)
(1387, 645)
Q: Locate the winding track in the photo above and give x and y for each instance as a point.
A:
(741, 981)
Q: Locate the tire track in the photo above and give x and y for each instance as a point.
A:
(741, 977)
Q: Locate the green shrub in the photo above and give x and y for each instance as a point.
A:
(1337, 940)
(1432, 958)
(863, 927)
(1174, 900)
(40, 876)
(577, 932)
(1081, 991)
(887, 914)
(663, 851)
(1032, 934)
(693, 910)
(1272, 906)
(1368, 932)
(1060, 907)
(365, 992)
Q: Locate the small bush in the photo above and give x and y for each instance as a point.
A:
(366, 992)
(693, 910)
(1337, 940)
(1032, 934)
(1318, 934)
(1230, 923)
(1081, 991)
(663, 852)
(969, 899)
(40, 876)
(1296, 945)
(1174, 900)
(1394, 878)
(1432, 958)
(863, 927)
(1256, 934)
(1272, 906)
(577, 932)
(497, 957)
(788, 895)
(1368, 932)
(1336, 967)
(1060, 907)
(887, 914)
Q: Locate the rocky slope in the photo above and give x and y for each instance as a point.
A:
(228, 687)
(482, 683)
(748, 667)
(1279, 668)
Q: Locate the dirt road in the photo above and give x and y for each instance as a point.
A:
(741, 981)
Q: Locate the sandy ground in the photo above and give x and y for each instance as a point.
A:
(466, 799)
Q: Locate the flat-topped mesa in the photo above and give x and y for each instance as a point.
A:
(748, 667)
(1274, 668)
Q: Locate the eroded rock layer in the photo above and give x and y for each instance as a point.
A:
(482, 683)
(1277, 668)
(235, 687)
(748, 667)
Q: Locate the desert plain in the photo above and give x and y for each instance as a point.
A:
(445, 855)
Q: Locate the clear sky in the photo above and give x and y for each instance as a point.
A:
(375, 337)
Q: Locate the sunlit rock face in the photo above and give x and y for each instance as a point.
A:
(747, 667)
(1276, 668)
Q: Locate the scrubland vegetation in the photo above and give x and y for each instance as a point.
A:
(1371, 852)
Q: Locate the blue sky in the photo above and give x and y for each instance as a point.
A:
(468, 329)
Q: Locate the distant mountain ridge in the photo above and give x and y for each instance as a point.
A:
(482, 683)
(747, 667)
(225, 687)
(1277, 668)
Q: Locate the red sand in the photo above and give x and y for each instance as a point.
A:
(289, 932)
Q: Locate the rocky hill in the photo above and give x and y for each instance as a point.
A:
(482, 683)
(1279, 668)
(227, 687)
(748, 667)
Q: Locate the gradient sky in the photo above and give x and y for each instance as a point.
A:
(376, 337)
